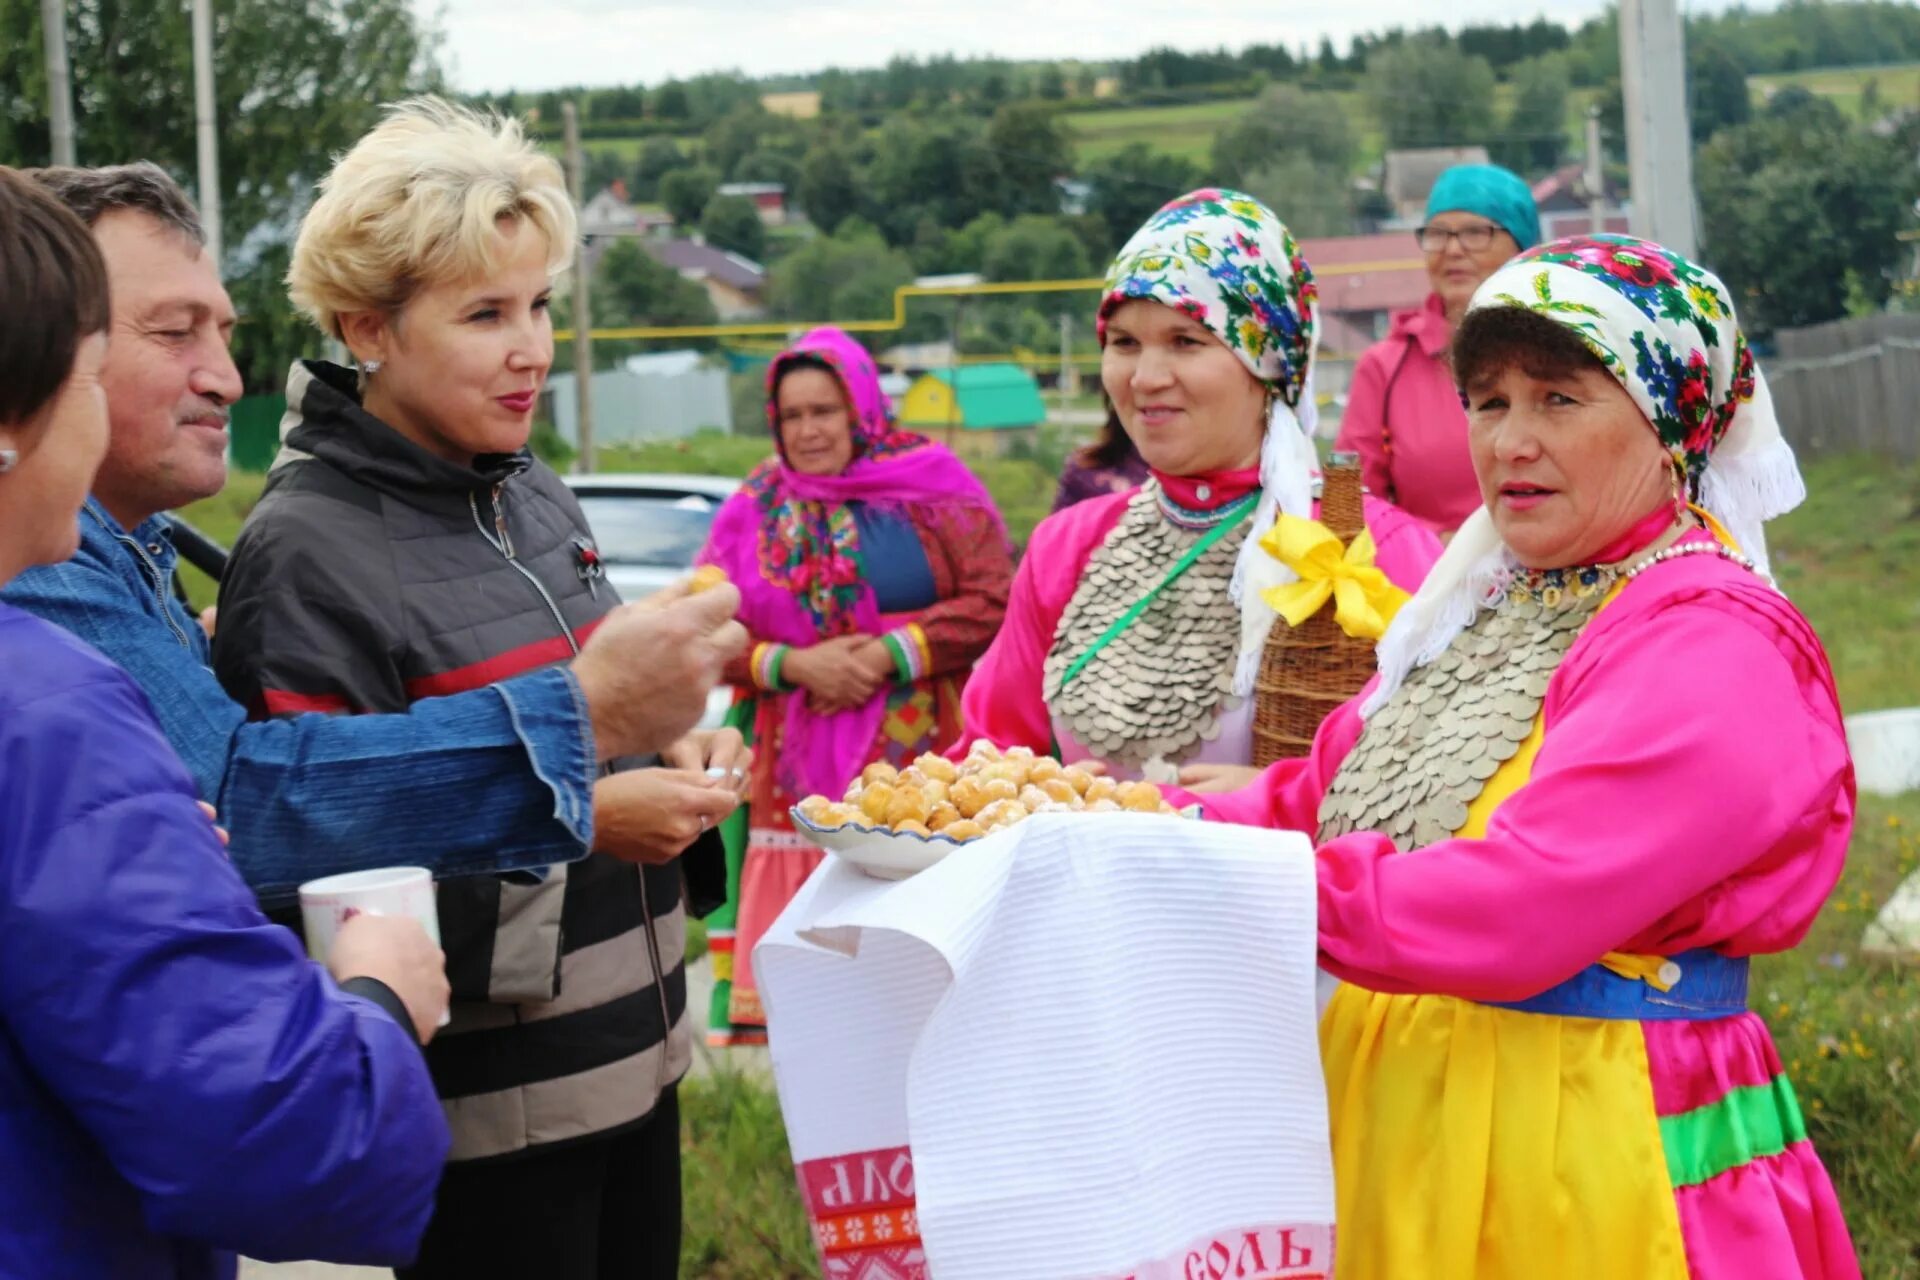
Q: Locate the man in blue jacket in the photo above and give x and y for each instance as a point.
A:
(499, 779)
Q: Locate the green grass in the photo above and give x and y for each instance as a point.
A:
(1185, 131)
(1899, 85)
(1850, 558)
(1848, 1030)
(742, 1212)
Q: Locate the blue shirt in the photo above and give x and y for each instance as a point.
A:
(316, 795)
(893, 560)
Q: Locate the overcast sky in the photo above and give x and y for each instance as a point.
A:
(541, 44)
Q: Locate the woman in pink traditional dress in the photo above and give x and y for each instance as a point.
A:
(1136, 625)
(873, 571)
(1601, 766)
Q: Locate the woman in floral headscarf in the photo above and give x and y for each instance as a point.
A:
(873, 570)
(1137, 620)
(1601, 766)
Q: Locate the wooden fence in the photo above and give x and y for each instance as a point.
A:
(1850, 386)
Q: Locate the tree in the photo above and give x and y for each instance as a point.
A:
(732, 223)
(1310, 198)
(1286, 121)
(631, 288)
(1032, 150)
(1428, 94)
(315, 72)
(1536, 125)
(1035, 247)
(851, 275)
(685, 193)
(829, 192)
(1800, 209)
(1130, 185)
(1717, 93)
(671, 102)
(658, 158)
(1053, 83)
(769, 166)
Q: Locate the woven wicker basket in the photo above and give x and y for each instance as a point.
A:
(1309, 670)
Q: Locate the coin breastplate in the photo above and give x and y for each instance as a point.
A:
(1426, 755)
(1156, 690)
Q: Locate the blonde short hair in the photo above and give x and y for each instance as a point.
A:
(417, 202)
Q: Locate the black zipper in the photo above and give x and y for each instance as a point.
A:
(502, 541)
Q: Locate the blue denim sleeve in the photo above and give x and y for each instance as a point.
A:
(486, 782)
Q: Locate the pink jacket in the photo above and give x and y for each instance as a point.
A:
(1693, 789)
(1404, 419)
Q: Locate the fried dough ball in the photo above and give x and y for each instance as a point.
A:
(938, 768)
(876, 800)
(1001, 813)
(964, 830)
(879, 771)
(911, 827)
(1060, 791)
(1000, 789)
(943, 816)
(1139, 797)
(706, 578)
(835, 816)
(907, 806)
(969, 796)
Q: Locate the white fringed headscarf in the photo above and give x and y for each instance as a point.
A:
(1666, 328)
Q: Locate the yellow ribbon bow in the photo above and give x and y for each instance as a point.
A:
(1365, 599)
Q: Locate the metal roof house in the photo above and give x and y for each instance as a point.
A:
(978, 410)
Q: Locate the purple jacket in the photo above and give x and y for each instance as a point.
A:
(177, 1080)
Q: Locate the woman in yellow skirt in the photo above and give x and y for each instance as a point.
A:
(1602, 765)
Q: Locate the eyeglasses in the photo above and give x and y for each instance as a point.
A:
(1473, 239)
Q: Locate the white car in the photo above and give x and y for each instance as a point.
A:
(649, 527)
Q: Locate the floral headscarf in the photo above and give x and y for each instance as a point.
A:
(1226, 261)
(789, 542)
(1661, 324)
(1665, 328)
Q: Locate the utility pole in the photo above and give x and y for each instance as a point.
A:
(1066, 355)
(1653, 87)
(206, 127)
(53, 33)
(1596, 175)
(582, 300)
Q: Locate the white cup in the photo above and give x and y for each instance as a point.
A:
(328, 903)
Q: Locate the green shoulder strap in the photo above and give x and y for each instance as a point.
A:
(1185, 563)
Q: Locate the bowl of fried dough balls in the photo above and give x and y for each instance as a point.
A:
(894, 822)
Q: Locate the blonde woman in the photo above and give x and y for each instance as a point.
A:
(408, 546)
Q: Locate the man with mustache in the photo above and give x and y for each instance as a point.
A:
(518, 761)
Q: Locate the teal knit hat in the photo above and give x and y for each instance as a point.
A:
(1496, 194)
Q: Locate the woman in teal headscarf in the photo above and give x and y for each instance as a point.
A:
(1403, 414)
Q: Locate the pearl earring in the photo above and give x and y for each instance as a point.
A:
(370, 368)
(9, 459)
